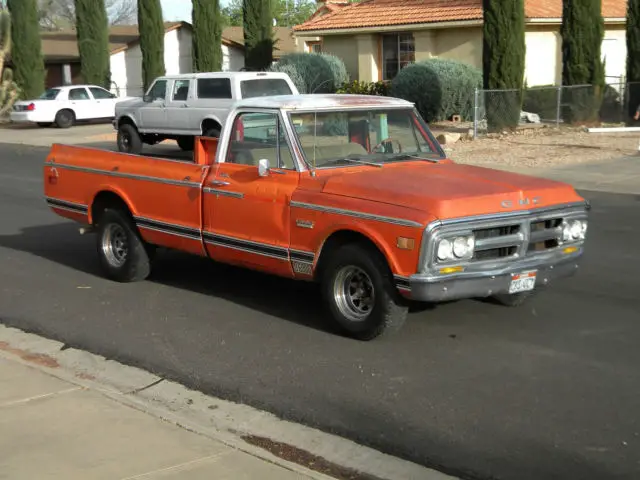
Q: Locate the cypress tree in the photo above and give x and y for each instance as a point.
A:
(258, 34)
(503, 61)
(633, 56)
(207, 36)
(151, 27)
(26, 52)
(92, 31)
(582, 34)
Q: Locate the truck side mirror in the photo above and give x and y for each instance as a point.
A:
(263, 167)
(147, 98)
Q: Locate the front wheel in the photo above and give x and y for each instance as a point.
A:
(122, 252)
(357, 286)
(129, 140)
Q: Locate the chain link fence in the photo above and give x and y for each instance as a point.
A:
(497, 110)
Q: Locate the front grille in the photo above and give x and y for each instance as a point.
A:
(517, 239)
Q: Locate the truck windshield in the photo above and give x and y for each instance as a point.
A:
(340, 138)
(264, 87)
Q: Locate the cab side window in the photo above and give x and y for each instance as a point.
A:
(159, 90)
(79, 94)
(257, 136)
(180, 90)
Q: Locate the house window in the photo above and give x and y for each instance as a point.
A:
(314, 47)
(398, 51)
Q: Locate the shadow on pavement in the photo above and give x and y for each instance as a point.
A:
(294, 301)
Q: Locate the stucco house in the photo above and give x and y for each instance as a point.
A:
(62, 61)
(376, 38)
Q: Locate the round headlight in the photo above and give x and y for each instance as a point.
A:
(463, 246)
(445, 250)
(584, 230)
(566, 232)
(576, 229)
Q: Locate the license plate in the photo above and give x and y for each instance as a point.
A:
(522, 282)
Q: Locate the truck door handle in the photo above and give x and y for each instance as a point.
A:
(219, 183)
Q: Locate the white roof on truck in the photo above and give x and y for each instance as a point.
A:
(322, 101)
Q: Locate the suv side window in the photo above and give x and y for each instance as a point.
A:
(214, 88)
(100, 94)
(159, 90)
(259, 135)
(79, 94)
(180, 90)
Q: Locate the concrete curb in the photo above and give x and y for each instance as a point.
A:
(232, 424)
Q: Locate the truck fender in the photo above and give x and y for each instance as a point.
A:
(127, 118)
(113, 190)
(363, 230)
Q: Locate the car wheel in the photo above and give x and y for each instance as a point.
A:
(65, 119)
(129, 140)
(358, 289)
(122, 252)
(514, 300)
(212, 132)
(186, 143)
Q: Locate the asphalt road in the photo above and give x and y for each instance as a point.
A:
(547, 391)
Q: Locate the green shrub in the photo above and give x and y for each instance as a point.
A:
(365, 88)
(439, 88)
(318, 73)
(293, 73)
(542, 100)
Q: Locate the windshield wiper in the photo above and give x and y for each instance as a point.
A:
(355, 160)
(407, 156)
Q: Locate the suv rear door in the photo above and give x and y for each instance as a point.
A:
(214, 100)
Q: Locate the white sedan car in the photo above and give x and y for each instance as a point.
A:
(64, 106)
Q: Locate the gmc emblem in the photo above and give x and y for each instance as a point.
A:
(522, 202)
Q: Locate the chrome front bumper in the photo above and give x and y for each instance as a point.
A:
(460, 286)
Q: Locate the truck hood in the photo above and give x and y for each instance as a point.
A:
(449, 190)
(129, 102)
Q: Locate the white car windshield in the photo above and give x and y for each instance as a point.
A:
(339, 138)
(50, 94)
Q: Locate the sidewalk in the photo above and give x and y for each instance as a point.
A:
(54, 429)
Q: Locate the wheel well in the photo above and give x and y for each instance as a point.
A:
(210, 123)
(343, 237)
(126, 121)
(67, 110)
(106, 200)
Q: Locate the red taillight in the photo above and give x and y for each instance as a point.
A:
(31, 107)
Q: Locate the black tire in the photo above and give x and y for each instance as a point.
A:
(129, 140)
(44, 124)
(515, 300)
(212, 132)
(186, 143)
(122, 252)
(65, 119)
(386, 312)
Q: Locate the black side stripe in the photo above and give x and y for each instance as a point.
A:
(247, 246)
(179, 230)
(299, 256)
(70, 206)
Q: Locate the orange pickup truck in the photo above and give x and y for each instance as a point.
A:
(351, 191)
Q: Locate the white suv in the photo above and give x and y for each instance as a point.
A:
(180, 107)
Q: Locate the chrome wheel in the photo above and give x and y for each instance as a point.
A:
(114, 245)
(353, 293)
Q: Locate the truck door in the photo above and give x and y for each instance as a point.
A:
(246, 214)
(178, 106)
(154, 113)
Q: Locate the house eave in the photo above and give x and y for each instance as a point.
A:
(429, 26)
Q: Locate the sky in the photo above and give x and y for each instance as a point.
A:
(174, 10)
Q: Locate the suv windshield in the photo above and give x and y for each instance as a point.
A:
(264, 87)
(49, 94)
(339, 138)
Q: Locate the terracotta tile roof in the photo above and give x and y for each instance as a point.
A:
(377, 13)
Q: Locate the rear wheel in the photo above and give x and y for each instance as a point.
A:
(361, 297)
(122, 252)
(186, 143)
(65, 119)
(212, 132)
(129, 140)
